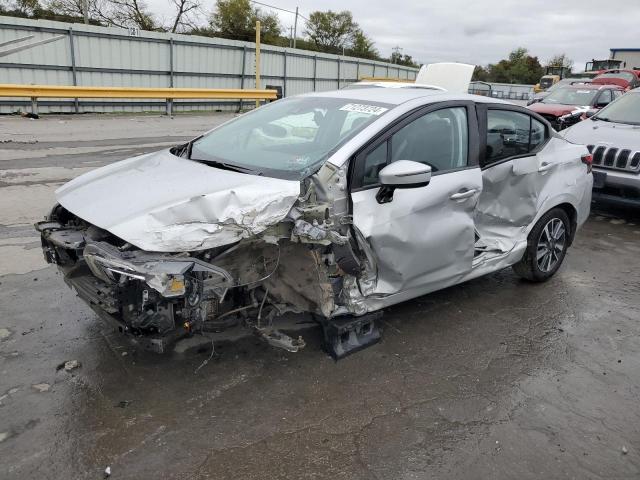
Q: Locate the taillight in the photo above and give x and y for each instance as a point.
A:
(588, 161)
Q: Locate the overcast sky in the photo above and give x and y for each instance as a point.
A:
(481, 31)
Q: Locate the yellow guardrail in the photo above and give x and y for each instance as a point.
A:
(63, 91)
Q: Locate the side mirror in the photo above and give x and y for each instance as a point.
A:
(402, 174)
(590, 113)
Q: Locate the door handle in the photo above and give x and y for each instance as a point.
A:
(463, 195)
(545, 166)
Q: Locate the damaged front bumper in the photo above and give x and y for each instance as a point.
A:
(157, 298)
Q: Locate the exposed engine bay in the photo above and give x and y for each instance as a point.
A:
(300, 264)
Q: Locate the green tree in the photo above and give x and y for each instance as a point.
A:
(480, 74)
(362, 46)
(331, 31)
(236, 19)
(519, 67)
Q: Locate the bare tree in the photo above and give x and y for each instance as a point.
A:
(72, 8)
(125, 14)
(184, 11)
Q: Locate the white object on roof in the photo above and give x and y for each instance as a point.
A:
(392, 84)
(454, 77)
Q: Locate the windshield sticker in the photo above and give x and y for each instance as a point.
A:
(361, 108)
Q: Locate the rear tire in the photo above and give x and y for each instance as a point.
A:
(546, 247)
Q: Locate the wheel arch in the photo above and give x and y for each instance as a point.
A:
(572, 213)
(567, 206)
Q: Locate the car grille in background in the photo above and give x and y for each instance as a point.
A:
(615, 158)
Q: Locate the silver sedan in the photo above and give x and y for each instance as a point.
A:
(337, 204)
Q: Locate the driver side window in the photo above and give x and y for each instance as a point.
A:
(439, 139)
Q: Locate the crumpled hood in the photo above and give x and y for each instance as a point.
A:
(552, 109)
(598, 132)
(163, 203)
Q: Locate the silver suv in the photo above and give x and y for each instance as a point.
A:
(337, 204)
(613, 137)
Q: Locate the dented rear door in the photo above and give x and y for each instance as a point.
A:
(423, 239)
(520, 160)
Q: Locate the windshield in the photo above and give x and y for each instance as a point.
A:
(287, 139)
(571, 96)
(626, 109)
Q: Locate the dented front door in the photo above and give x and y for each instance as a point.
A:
(423, 239)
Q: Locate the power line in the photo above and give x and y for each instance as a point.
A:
(278, 8)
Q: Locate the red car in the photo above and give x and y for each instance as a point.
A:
(568, 105)
(625, 78)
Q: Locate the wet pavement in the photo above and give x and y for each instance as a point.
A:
(495, 378)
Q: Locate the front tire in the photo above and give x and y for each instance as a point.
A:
(546, 247)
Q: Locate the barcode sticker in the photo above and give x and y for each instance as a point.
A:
(361, 108)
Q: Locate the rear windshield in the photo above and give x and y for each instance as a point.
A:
(571, 96)
(289, 138)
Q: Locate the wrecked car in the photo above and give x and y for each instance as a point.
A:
(571, 104)
(336, 204)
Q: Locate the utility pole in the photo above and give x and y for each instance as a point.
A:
(295, 28)
(397, 51)
(257, 59)
(85, 11)
(292, 40)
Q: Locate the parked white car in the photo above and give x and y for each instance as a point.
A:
(338, 203)
(612, 135)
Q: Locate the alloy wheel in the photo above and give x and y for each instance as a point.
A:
(550, 245)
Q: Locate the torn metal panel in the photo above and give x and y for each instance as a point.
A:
(517, 192)
(160, 202)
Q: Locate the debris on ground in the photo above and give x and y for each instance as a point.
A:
(68, 365)
(107, 472)
(624, 450)
(42, 387)
(32, 116)
(4, 333)
(123, 403)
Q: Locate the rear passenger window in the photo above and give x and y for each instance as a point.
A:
(510, 134)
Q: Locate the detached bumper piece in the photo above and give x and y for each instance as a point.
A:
(346, 335)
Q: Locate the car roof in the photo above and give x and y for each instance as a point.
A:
(397, 96)
(621, 70)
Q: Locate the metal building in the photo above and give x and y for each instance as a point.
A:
(630, 56)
